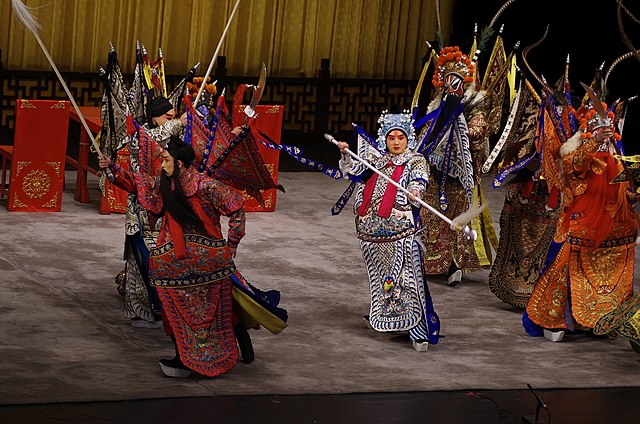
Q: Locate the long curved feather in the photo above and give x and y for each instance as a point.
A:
(615, 63)
(530, 47)
(623, 33)
(499, 12)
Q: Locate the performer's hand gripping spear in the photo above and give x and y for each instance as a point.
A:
(459, 223)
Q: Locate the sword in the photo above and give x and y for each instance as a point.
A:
(258, 90)
(459, 223)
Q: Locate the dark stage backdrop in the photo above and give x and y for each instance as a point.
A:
(587, 30)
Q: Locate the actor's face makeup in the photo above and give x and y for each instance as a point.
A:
(160, 120)
(396, 142)
(168, 163)
(453, 85)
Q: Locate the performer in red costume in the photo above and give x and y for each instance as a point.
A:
(191, 266)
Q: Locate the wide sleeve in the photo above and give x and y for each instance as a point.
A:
(230, 203)
(582, 158)
(122, 179)
(162, 133)
(419, 173)
(418, 176)
(237, 223)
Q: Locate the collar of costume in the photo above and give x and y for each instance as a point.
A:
(390, 158)
(395, 121)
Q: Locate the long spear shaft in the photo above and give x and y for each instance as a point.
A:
(215, 55)
(454, 224)
(26, 19)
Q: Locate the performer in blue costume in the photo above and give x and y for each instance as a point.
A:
(386, 224)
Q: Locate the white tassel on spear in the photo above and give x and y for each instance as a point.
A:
(215, 54)
(459, 223)
(25, 17)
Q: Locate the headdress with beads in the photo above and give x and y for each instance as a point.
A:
(396, 121)
(452, 60)
(590, 119)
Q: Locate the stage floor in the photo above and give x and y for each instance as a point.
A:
(65, 338)
(566, 406)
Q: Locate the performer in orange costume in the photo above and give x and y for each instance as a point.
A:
(592, 273)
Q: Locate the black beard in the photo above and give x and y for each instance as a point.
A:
(176, 203)
(450, 105)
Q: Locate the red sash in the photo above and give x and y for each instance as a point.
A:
(389, 194)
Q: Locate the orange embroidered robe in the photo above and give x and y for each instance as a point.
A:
(592, 273)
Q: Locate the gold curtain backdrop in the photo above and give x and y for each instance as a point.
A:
(363, 38)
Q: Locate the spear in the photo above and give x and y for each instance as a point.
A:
(25, 17)
(459, 223)
(215, 55)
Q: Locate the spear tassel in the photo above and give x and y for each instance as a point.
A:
(25, 17)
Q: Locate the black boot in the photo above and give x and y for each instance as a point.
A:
(174, 367)
(244, 342)
(454, 274)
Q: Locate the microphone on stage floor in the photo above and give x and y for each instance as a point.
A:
(541, 404)
(540, 400)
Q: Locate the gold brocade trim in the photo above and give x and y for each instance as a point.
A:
(549, 297)
(59, 105)
(17, 203)
(36, 184)
(271, 168)
(601, 280)
(273, 109)
(524, 241)
(623, 321)
(26, 104)
(443, 245)
(197, 280)
(55, 166)
(598, 166)
(633, 159)
(113, 201)
(20, 166)
(53, 203)
(268, 202)
(478, 243)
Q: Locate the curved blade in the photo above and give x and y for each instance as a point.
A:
(596, 102)
(258, 89)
